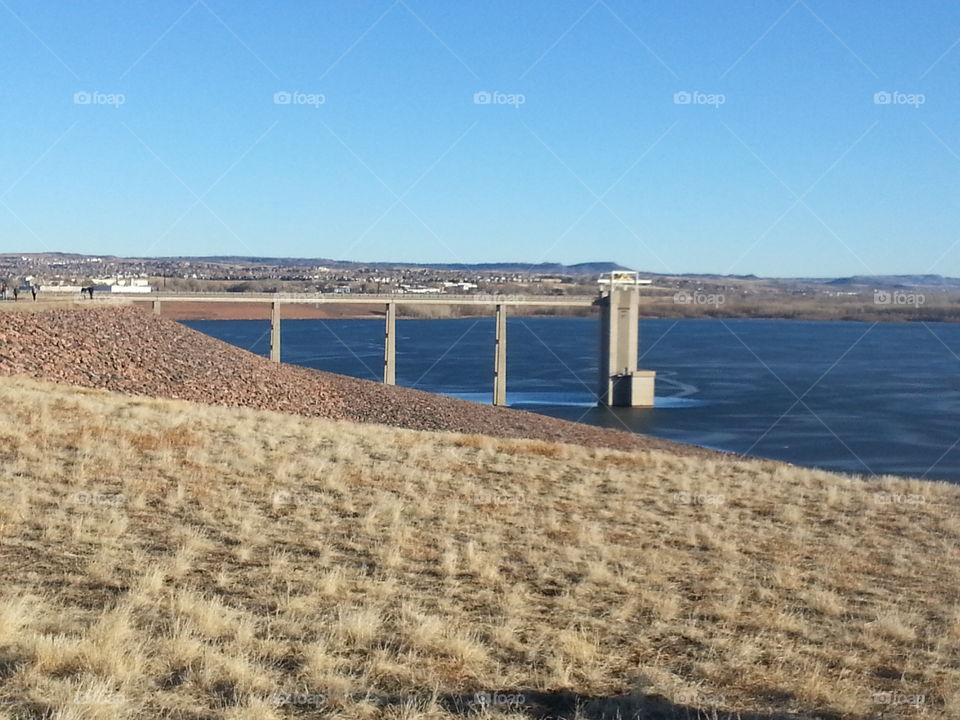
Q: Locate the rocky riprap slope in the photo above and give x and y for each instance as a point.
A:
(128, 350)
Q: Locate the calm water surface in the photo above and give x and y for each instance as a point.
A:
(855, 397)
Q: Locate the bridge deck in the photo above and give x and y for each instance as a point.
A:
(308, 298)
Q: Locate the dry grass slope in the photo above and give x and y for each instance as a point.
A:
(165, 559)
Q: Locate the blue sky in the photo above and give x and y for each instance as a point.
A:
(145, 128)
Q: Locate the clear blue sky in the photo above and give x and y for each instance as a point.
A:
(798, 172)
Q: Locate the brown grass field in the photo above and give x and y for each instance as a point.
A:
(46, 302)
(160, 559)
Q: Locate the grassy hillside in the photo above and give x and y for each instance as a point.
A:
(165, 559)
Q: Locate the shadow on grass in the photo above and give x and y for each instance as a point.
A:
(562, 705)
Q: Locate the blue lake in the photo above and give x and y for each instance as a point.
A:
(854, 397)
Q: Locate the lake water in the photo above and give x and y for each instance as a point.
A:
(854, 397)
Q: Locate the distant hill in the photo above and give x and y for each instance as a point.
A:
(584, 269)
(897, 281)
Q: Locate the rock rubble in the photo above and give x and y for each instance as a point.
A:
(129, 350)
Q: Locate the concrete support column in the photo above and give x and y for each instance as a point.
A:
(156, 307)
(275, 331)
(390, 346)
(500, 357)
(621, 383)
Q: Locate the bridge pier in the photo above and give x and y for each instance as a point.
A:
(390, 346)
(500, 357)
(621, 383)
(275, 331)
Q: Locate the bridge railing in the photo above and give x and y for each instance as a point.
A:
(361, 298)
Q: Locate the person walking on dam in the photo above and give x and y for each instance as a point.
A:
(33, 291)
(16, 293)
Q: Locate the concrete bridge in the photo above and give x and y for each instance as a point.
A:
(621, 383)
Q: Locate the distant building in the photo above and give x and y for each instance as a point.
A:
(460, 286)
(420, 290)
(127, 288)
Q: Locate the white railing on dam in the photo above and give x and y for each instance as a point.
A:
(363, 299)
